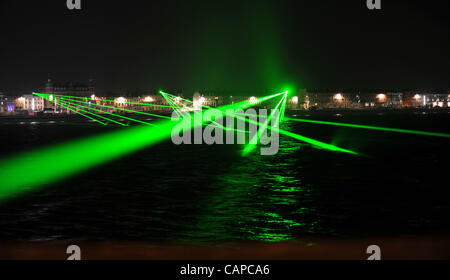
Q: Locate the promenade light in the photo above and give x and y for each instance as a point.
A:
(148, 99)
(338, 97)
(295, 99)
(93, 97)
(381, 97)
(121, 100)
(253, 100)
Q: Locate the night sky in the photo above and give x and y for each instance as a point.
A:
(244, 46)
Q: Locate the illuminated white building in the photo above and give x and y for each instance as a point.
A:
(29, 102)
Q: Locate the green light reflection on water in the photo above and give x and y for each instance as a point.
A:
(259, 199)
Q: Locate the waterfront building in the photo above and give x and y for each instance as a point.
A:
(299, 100)
(344, 100)
(426, 99)
(332, 100)
(68, 89)
(28, 102)
(394, 99)
(3, 103)
(437, 100)
(141, 103)
(207, 100)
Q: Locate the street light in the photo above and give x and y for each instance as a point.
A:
(338, 97)
(120, 100)
(381, 97)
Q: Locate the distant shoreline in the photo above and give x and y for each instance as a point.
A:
(288, 112)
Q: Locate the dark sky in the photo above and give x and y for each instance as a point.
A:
(245, 45)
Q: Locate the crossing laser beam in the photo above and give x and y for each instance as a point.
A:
(313, 142)
(100, 99)
(252, 143)
(105, 112)
(116, 108)
(28, 171)
(61, 103)
(73, 109)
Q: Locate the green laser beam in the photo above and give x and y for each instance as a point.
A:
(77, 107)
(317, 143)
(175, 107)
(29, 170)
(59, 102)
(169, 99)
(112, 114)
(373, 127)
(117, 108)
(75, 111)
(98, 116)
(250, 146)
(25, 172)
(314, 142)
(177, 104)
(283, 109)
(242, 104)
(99, 99)
(64, 104)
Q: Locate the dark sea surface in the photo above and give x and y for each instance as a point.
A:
(212, 194)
